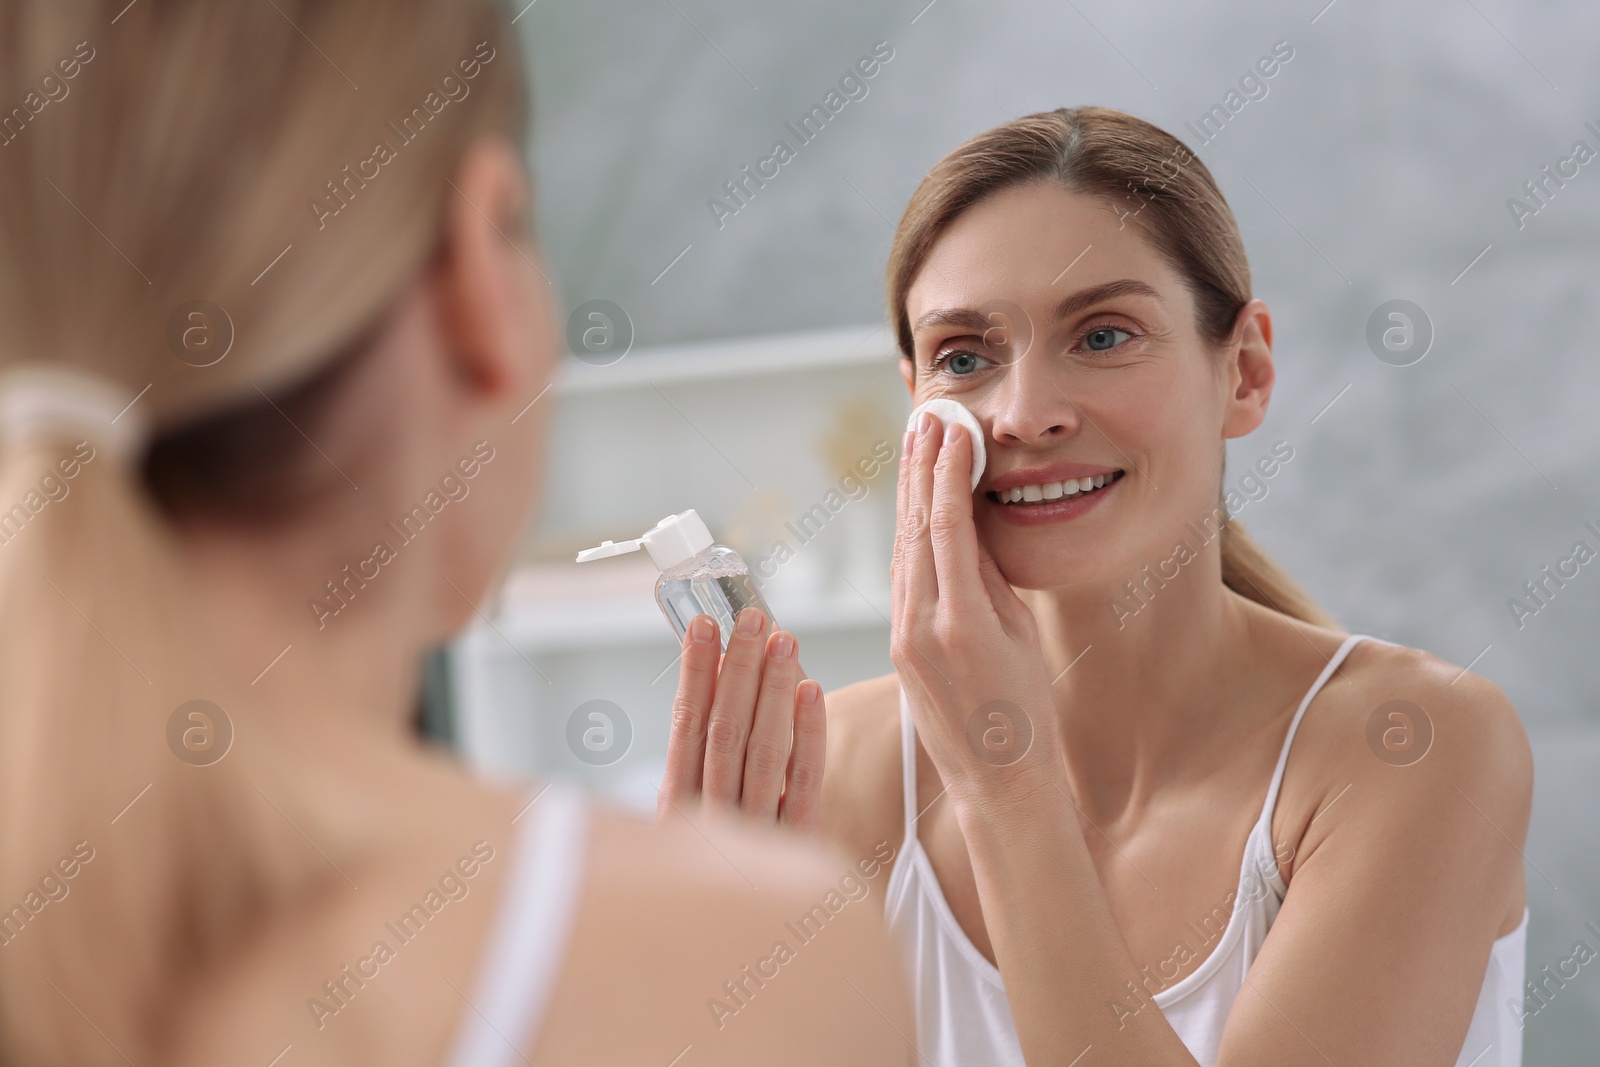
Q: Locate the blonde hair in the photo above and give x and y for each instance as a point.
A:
(1176, 204)
(158, 154)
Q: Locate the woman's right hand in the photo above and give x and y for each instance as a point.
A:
(749, 733)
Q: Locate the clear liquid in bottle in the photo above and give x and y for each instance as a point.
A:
(715, 582)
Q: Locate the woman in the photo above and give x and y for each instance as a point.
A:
(1130, 763)
(273, 338)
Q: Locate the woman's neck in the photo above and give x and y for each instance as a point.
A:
(192, 860)
(362, 660)
(1144, 685)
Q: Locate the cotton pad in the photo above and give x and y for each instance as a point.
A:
(950, 411)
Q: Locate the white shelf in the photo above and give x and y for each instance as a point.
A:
(735, 358)
(553, 609)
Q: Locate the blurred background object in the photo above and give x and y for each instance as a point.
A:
(786, 446)
(1441, 460)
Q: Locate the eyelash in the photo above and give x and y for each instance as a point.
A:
(940, 357)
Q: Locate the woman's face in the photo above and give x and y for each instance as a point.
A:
(1074, 343)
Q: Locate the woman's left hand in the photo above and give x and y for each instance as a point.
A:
(964, 644)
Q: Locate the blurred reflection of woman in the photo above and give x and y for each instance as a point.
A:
(273, 334)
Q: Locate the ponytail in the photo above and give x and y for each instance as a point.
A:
(1248, 571)
(81, 557)
(88, 647)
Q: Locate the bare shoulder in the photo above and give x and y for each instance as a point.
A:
(1405, 706)
(863, 781)
(1417, 751)
(728, 937)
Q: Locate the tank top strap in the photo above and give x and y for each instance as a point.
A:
(527, 943)
(1338, 657)
(908, 763)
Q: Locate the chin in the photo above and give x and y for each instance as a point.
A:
(1035, 578)
(1046, 566)
(1043, 558)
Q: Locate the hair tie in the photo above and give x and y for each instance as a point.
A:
(42, 401)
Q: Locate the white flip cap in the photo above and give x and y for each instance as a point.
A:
(670, 542)
(954, 411)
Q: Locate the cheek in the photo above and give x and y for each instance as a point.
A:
(491, 519)
(514, 485)
(1176, 428)
(545, 336)
(1175, 418)
(1146, 420)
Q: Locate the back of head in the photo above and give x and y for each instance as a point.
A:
(201, 205)
(194, 144)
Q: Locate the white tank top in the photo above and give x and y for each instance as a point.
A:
(964, 1019)
(528, 939)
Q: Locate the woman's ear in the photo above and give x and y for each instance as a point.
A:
(907, 373)
(493, 297)
(1248, 369)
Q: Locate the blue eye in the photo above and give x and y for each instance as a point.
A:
(959, 363)
(962, 363)
(1104, 338)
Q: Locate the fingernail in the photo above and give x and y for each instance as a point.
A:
(926, 424)
(750, 621)
(702, 631)
(782, 645)
(809, 692)
(950, 432)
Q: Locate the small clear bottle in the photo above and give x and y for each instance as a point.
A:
(698, 576)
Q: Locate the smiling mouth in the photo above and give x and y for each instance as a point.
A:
(1050, 492)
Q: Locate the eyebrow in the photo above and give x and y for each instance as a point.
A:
(972, 319)
(1087, 297)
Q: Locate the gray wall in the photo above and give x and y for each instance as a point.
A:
(1378, 167)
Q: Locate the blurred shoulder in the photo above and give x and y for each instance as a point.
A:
(672, 912)
(865, 713)
(703, 852)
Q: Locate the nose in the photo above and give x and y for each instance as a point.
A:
(1030, 406)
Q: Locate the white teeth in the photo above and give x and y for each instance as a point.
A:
(1064, 489)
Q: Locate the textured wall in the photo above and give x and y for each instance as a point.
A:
(1377, 167)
